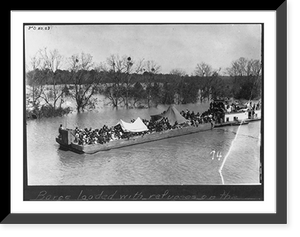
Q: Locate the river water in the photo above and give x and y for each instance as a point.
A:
(229, 155)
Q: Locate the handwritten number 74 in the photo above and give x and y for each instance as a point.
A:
(218, 154)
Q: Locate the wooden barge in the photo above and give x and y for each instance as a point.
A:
(67, 141)
(67, 136)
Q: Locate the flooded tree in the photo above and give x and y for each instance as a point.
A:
(115, 68)
(247, 78)
(85, 81)
(189, 92)
(35, 82)
(130, 68)
(156, 94)
(150, 69)
(120, 73)
(138, 93)
(129, 82)
(51, 61)
(168, 93)
(177, 78)
(209, 80)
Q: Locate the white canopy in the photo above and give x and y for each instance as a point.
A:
(136, 126)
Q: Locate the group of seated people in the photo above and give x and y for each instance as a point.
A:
(96, 136)
(189, 115)
(106, 134)
(102, 135)
(161, 125)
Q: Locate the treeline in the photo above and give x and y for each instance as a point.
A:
(130, 83)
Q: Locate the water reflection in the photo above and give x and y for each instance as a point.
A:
(69, 159)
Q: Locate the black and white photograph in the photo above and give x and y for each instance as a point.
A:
(144, 107)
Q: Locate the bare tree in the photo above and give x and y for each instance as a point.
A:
(238, 67)
(50, 63)
(178, 72)
(254, 68)
(254, 76)
(244, 67)
(179, 84)
(34, 81)
(247, 75)
(127, 79)
(115, 67)
(150, 69)
(84, 79)
(151, 66)
(203, 70)
(120, 71)
(210, 80)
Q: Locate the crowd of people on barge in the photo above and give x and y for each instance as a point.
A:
(105, 134)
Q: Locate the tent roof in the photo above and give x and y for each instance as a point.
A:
(172, 114)
(136, 126)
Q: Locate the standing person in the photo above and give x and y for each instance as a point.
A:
(249, 109)
(233, 106)
(253, 111)
(60, 131)
(229, 109)
(212, 122)
(258, 106)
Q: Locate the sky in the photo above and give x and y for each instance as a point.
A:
(172, 46)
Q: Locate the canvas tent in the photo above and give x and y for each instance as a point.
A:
(136, 126)
(172, 114)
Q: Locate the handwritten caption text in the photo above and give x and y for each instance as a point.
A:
(166, 195)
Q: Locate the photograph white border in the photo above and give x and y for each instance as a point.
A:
(266, 17)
